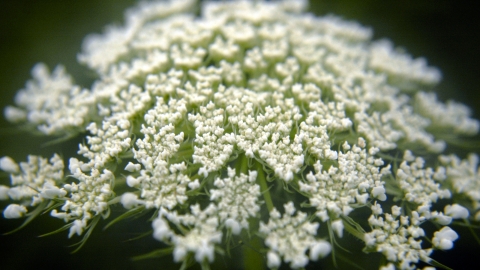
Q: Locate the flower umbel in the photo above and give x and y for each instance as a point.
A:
(212, 123)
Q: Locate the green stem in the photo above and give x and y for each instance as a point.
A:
(353, 231)
(264, 187)
(242, 164)
(252, 258)
(472, 231)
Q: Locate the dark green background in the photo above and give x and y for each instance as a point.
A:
(51, 31)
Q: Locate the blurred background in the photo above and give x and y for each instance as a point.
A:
(445, 32)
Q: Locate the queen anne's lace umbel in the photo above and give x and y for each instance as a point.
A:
(214, 122)
(290, 237)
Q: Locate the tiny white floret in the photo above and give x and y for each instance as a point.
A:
(442, 219)
(50, 191)
(77, 228)
(273, 260)
(129, 200)
(194, 185)
(320, 250)
(444, 238)
(132, 181)
(389, 266)
(132, 167)
(379, 193)
(456, 211)
(233, 225)
(14, 114)
(337, 227)
(7, 164)
(14, 211)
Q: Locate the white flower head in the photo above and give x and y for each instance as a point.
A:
(35, 180)
(290, 236)
(237, 199)
(396, 238)
(200, 239)
(327, 190)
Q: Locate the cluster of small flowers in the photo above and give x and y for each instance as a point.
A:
(445, 118)
(394, 235)
(52, 103)
(234, 200)
(290, 237)
(32, 183)
(463, 176)
(420, 186)
(356, 180)
(181, 101)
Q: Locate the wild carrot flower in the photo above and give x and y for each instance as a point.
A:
(253, 122)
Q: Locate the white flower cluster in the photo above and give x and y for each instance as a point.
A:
(214, 146)
(35, 179)
(289, 237)
(356, 179)
(418, 185)
(160, 142)
(401, 69)
(233, 202)
(237, 199)
(200, 239)
(446, 117)
(52, 103)
(89, 197)
(464, 178)
(207, 113)
(31, 182)
(395, 236)
(102, 52)
(162, 186)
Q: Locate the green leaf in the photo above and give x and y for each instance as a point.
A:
(188, 262)
(87, 234)
(154, 254)
(140, 236)
(349, 261)
(63, 228)
(59, 140)
(470, 228)
(130, 213)
(437, 264)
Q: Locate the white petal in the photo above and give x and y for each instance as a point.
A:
(273, 260)
(7, 164)
(14, 211)
(320, 250)
(456, 211)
